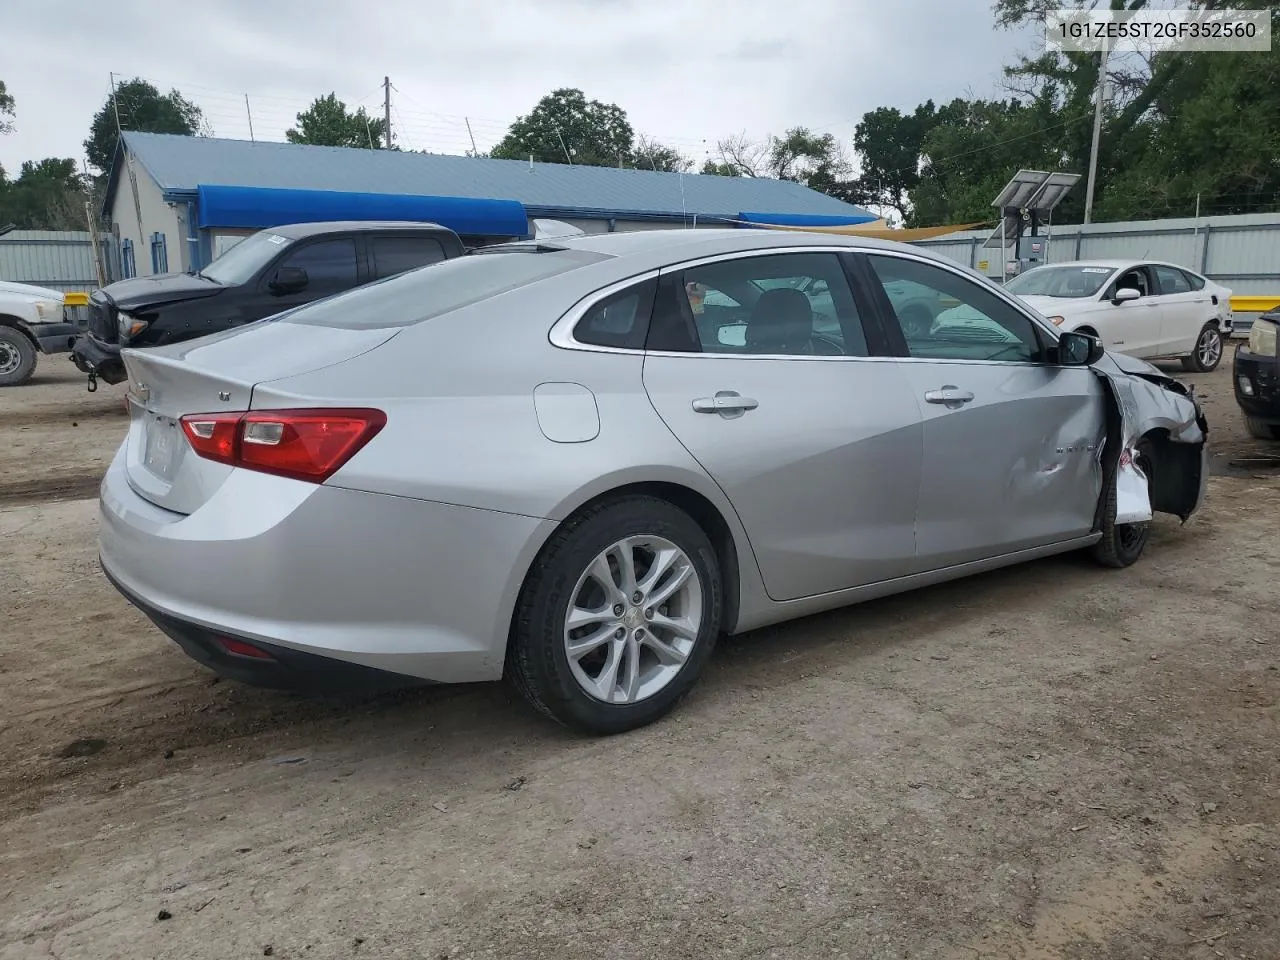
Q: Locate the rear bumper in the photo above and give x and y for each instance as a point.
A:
(364, 581)
(55, 337)
(1256, 381)
(102, 360)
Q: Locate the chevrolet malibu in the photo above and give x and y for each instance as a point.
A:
(578, 463)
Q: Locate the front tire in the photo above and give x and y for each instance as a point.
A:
(1262, 429)
(17, 357)
(618, 616)
(1207, 353)
(1122, 543)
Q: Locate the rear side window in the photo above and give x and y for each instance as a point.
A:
(392, 255)
(1195, 282)
(619, 320)
(1171, 279)
(422, 294)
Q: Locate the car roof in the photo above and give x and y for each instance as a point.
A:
(1114, 264)
(691, 243)
(298, 231)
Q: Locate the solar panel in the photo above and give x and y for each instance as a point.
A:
(1035, 190)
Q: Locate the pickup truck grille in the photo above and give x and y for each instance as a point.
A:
(102, 318)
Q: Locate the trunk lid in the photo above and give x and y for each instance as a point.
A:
(212, 375)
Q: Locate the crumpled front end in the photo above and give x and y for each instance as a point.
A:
(1157, 441)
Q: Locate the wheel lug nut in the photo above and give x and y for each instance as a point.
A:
(639, 634)
(648, 614)
(619, 633)
(637, 597)
(617, 609)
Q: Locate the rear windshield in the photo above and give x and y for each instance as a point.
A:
(440, 288)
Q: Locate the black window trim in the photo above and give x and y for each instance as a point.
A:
(897, 342)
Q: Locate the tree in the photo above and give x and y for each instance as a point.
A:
(887, 144)
(141, 107)
(651, 155)
(48, 195)
(565, 127)
(327, 123)
(6, 109)
(816, 160)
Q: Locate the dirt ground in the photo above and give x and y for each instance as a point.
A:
(1047, 761)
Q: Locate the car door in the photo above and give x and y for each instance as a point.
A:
(1011, 441)
(816, 443)
(331, 265)
(1132, 326)
(1181, 317)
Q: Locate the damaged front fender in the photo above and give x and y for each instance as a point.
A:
(1156, 445)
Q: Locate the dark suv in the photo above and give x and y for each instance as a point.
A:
(262, 275)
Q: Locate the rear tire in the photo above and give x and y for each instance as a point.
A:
(1122, 543)
(1208, 350)
(653, 665)
(17, 357)
(1262, 429)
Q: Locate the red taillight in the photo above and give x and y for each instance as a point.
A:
(242, 649)
(302, 444)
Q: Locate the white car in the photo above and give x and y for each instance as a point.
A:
(1144, 308)
(31, 322)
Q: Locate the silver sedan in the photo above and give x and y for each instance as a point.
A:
(577, 463)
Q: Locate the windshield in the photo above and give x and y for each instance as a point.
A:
(239, 264)
(1063, 281)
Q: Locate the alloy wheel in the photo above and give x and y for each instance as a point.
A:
(633, 619)
(1209, 348)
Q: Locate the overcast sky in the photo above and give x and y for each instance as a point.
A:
(687, 72)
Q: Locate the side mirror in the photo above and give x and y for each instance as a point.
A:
(1124, 295)
(1079, 350)
(289, 280)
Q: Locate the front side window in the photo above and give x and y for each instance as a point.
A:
(1135, 278)
(330, 264)
(791, 304)
(945, 316)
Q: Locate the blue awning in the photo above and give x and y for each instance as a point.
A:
(805, 219)
(257, 207)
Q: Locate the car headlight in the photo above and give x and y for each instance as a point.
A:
(1262, 338)
(129, 326)
(1057, 321)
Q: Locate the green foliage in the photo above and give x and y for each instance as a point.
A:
(327, 123)
(141, 107)
(48, 195)
(6, 109)
(651, 155)
(565, 127)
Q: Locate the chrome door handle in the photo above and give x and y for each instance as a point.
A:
(948, 395)
(727, 403)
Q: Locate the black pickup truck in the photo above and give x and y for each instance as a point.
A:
(264, 274)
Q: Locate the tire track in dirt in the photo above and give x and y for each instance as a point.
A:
(78, 486)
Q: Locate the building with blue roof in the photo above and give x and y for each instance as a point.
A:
(176, 202)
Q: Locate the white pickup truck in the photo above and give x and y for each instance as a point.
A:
(32, 321)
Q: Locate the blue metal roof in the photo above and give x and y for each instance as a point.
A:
(180, 164)
(258, 207)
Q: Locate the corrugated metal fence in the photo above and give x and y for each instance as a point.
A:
(1240, 252)
(60, 260)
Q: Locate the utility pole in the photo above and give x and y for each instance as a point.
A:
(249, 114)
(474, 151)
(386, 108)
(1099, 98)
